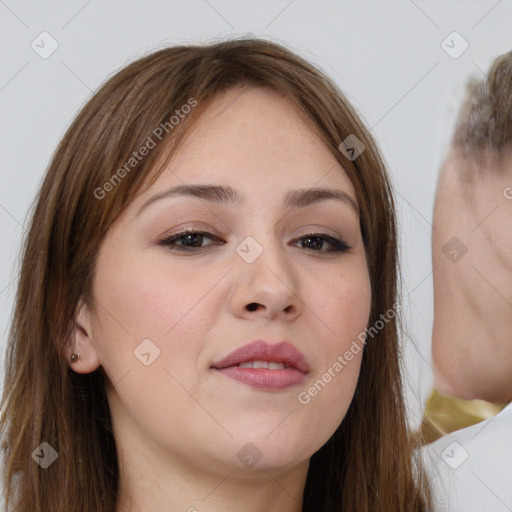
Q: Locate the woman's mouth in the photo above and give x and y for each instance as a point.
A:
(266, 366)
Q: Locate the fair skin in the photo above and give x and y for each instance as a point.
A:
(471, 345)
(178, 424)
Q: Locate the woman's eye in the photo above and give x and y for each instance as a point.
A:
(315, 242)
(191, 240)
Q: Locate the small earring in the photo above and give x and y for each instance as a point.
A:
(75, 357)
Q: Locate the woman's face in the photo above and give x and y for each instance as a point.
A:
(167, 311)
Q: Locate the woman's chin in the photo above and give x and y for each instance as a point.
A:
(257, 453)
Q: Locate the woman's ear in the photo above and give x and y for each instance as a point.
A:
(81, 352)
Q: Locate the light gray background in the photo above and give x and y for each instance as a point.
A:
(385, 55)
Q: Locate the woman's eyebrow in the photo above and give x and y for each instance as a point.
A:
(224, 194)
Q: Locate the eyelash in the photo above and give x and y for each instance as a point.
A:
(339, 246)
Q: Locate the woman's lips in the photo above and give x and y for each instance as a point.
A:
(264, 365)
(270, 380)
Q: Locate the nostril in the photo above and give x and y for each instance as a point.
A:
(252, 306)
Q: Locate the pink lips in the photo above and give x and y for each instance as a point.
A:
(296, 365)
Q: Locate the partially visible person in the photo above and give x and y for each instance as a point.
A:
(472, 261)
(472, 247)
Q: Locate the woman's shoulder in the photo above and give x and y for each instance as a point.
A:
(471, 469)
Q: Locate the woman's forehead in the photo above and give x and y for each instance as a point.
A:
(255, 130)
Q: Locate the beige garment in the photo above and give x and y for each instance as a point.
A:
(445, 414)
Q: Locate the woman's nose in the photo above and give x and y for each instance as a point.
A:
(267, 284)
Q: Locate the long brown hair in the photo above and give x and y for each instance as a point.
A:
(367, 464)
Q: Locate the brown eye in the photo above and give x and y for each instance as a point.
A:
(190, 240)
(315, 241)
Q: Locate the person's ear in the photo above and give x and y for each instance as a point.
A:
(80, 352)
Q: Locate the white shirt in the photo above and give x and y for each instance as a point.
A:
(470, 470)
